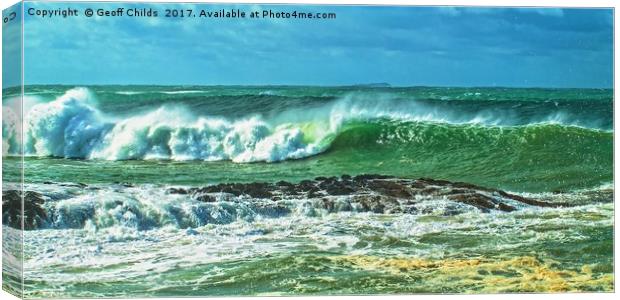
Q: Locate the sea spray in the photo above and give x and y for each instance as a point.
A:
(169, 210)
(141, 234)
(73, 126)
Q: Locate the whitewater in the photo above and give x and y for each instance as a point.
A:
(153, 191)
(72, 126)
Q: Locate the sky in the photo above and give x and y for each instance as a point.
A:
(402, 46)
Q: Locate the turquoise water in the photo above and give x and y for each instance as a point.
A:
(126, 145)
(516, 139)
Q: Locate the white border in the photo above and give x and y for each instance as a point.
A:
(509, 3)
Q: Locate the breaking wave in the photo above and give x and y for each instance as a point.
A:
(72, 126)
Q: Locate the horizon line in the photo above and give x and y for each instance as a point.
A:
(367, 85)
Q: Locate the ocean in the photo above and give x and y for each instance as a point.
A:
(182, 190)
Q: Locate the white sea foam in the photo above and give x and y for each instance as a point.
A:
(181, 92)
(142, 231)
(10, 121)
(128, 93)
(72, 126)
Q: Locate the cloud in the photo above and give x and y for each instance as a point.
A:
(401, 45)
(11, 48)
(554, 12)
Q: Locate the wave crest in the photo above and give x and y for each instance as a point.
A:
(72, 126)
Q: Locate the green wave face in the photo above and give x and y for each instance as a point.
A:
(526, 158)
(107, 159)
(533, 158)
(516, 139)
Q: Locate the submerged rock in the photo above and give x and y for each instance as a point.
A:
(370, 193)
(33, 214)
(363, 193)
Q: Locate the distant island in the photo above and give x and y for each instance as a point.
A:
(373, 85)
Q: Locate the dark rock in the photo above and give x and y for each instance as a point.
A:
(34, 214)
(258, 190)
(455, 191)
(364, 177)
(205, 198)
(284, 183)
(339, 189)
(371, 203)
(287, 188)
(470, 186)
(342, 206)
(505, 207)
(178, 191)
(368, 192)
(435, 181)
(306, 185)
(225, 188)
(389, 188)
(314, 193)
(328, 204)
(478, 200)
(530, 201)
(418, 184)
(430, 191)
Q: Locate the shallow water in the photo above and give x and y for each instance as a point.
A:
(104, 158)
(140, 241)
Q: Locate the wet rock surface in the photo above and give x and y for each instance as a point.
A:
(370, 192)
(34, 213)
(363, 193)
